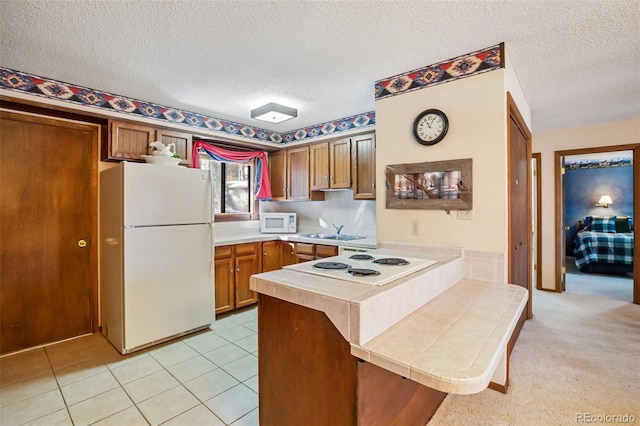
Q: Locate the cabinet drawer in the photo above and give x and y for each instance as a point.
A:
(222, 252)
(326, 251)
(244, 249)
(304, 248)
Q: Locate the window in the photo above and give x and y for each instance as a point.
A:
(232, 189)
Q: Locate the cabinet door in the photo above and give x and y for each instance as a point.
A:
(298, 176)
(224, 286)
(278, 175)
(127, 141)
(246, 265)
(325, 251)
(319, 158)
(363, 150)
(340, 164)
(288, 253)
(271, 256)
(304, 258)
(181, 140)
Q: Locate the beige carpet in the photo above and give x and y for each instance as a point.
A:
(600, 285)
(579, 355)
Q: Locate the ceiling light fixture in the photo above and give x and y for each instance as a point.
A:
(274, 113)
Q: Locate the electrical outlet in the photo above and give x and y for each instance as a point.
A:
(414, 228)
(464, 215)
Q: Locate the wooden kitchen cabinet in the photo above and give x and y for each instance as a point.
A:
(306, 251)
(298, 174)
(319, 163)
(363, 172)
(289, 175)
(331, 165)
(247, 262)
(182, 141)
(276, 254)
(233, 266)
(340, 164)
(127, 141)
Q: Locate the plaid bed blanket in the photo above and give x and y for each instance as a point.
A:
(603, 247)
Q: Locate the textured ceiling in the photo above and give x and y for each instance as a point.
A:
(578, 61)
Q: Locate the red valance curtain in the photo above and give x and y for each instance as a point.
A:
(262, 184)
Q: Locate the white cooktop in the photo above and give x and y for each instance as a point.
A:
(388, 273)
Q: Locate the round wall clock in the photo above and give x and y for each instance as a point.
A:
(430, 127)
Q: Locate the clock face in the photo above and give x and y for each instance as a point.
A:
(430, 127)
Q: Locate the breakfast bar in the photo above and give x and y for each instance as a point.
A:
(334, 351)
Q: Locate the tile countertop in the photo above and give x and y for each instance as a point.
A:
(228, 238)
(434, 326)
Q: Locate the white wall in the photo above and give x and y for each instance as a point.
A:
(547, 143)
(476, 108)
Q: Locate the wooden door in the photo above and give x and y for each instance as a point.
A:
(271, 256)
(363, 149)
(224, 279)
(48, 170)
(247, 263)
(298, 174)
(319, 175)
(519, 245)
(278, 175)
(340, 164)
(182, 141)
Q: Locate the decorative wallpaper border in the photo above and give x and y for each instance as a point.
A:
(52, 89)
(488, 59)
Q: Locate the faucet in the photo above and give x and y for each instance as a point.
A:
(338, 228)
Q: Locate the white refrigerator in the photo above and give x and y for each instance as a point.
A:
(156, 253)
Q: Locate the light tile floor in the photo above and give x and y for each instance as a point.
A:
(209, 378)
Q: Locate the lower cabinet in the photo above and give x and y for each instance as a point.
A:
(306, 252)
(276, 254)
(234, 265)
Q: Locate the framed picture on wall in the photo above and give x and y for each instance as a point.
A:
(435, 185)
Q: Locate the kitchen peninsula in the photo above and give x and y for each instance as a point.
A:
(340, 352)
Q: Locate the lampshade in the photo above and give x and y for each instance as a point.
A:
(604, 201)
(274, 113)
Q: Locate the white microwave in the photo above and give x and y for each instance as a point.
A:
(278, 223)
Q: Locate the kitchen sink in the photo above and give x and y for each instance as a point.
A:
(338, 237)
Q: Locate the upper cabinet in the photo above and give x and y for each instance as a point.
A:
(127, 141)
(182, 142)
(331, 165)
(340, 164)
(130, 141)
(319, 175)
(289, 175)
(363, 157)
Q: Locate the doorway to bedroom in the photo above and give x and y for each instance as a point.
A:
(597, 205)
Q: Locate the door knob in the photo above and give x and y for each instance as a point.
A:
(82, 243)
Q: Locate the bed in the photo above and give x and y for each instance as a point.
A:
(604, 244)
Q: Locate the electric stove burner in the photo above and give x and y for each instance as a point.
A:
(362, 272)
(331, 265)
(361, 257)
(391, 261)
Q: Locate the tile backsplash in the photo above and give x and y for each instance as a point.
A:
(339, 208)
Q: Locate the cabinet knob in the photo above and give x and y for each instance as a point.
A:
(238, 269)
